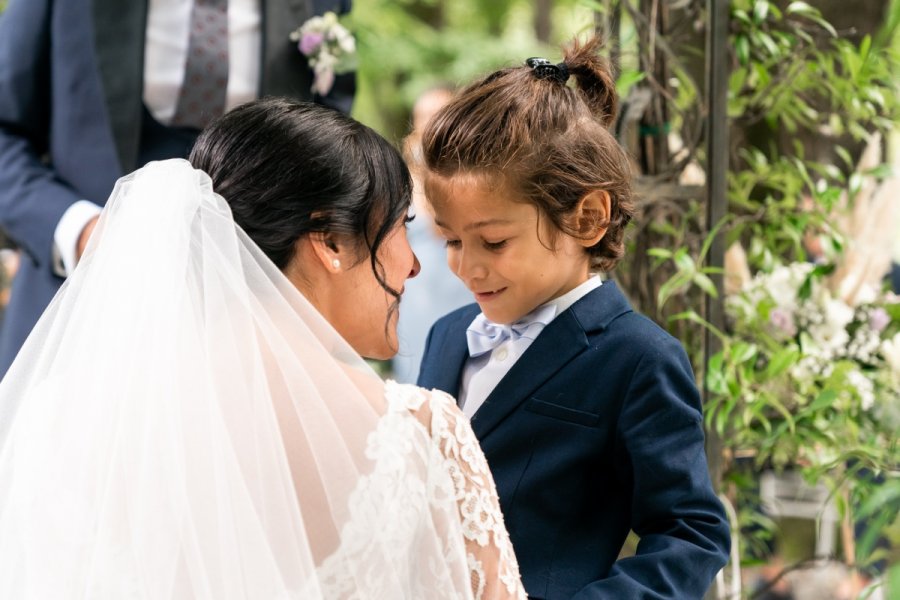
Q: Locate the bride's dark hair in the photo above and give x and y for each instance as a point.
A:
(291, 168)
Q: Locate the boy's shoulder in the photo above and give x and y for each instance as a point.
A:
(609, 319)
(640, 327)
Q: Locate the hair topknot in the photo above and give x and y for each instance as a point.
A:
(548, 142)
(594, 78)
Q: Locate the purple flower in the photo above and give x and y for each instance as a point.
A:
(310, 42)
(783, 320)
(879, 319)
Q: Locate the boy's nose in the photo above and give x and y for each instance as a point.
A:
(468, 268)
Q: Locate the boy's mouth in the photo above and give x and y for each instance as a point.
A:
(489, 295)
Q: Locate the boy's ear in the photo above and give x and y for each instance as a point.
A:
(591, 218)
(329, 250)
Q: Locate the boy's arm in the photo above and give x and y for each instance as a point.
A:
(683, 530)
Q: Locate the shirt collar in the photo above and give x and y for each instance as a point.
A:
(564, 302)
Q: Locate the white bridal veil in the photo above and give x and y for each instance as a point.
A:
(183, 424)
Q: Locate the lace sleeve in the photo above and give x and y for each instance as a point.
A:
(492, 563)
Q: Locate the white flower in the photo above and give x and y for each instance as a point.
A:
(783, 283)
(864, 387)
(865, 295)
(890, 350)
(347, 42)
(825, 320)
(329, 47)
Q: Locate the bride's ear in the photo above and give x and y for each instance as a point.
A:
(330, 250)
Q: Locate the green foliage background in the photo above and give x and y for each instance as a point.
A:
(408, 46)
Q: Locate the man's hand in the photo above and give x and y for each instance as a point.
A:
(84, 237)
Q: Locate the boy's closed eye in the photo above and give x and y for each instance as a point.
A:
(498, 245)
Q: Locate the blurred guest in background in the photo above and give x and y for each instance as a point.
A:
(436, 291)
(91, 90)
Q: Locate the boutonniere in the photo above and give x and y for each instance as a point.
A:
(329, 48)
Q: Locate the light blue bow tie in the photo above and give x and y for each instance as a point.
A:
(484, 335)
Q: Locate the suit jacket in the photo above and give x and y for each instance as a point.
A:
(71, 113)
(596, 430)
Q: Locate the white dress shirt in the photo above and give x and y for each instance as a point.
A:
(165, 54)
(482, 374)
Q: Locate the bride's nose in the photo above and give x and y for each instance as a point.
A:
(416, 267)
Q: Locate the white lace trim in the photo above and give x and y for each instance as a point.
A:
(458, 487)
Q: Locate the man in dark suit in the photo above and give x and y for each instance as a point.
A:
(87, 94)
(595, 431)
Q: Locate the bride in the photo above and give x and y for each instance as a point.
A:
(192, 418)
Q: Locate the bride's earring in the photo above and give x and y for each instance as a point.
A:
(336, 264)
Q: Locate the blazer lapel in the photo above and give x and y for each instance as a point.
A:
(453, 354)
(119, 33)
(561, 341)
(558, 343)
(283, 71)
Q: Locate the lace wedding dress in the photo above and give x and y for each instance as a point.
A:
(183, 424)
(460, 475)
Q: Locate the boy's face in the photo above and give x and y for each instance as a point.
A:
(507, 254)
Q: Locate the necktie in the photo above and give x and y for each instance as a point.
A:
(484, 335)
(206, 71)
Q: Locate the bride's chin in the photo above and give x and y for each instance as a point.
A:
(384, 348)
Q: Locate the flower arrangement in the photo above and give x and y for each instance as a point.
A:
(329, 47)
(808, 363)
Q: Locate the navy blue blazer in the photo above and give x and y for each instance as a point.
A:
(595, 431)
(71, 118)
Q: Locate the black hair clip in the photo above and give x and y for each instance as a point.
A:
(544, 69)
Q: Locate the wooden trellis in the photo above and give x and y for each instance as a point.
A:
(692, 37)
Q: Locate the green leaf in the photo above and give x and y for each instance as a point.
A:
(742, 16)
(824, 25)
(880, 171)
(845, 156)
(865, 45)
(823, 400)
(706, 284)
(788, 417)
(692, 316)
(596, 5)
(800, 8)
(627, 80)
(675, 284)
(742, 49)
(885, 495)
(742, 352)
(805, 289)
(780, 362)
(660, 252)
(683, 261)
(893, 582)
(766, 40)
(760, 10)
(722, 416)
